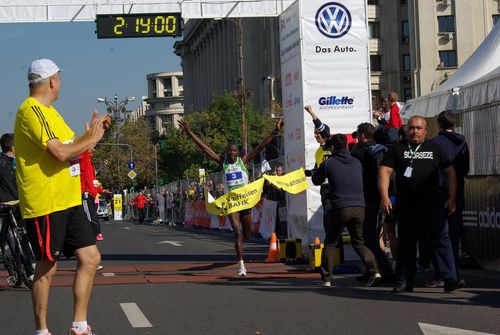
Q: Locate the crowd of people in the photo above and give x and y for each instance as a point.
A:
(393, 176)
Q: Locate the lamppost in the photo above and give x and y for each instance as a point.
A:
(114, 107)
(241, 87)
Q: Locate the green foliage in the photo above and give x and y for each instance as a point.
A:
(216, 126)
(113, 149)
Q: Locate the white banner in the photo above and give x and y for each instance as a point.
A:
(268, 218)
(325, 64)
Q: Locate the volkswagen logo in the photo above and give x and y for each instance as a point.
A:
(333, 20)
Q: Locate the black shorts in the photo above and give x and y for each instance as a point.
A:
(60, 232)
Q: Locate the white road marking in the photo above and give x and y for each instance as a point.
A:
(429, 329)
(135, 316)
(126, 228)
(174, 243)
(108, 274)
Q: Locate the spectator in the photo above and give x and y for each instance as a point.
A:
(370, 155)
(457, 151)
(49, 192)
(8, 184)
(417, 163)
(345, 181)
(140, 202)
(90, 188)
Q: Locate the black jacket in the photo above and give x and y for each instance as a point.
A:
(345, 180)
(8, 184)
(455, 147)
(370, 169)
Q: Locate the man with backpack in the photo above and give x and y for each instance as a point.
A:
(370, 155)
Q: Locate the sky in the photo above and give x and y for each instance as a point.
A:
(92, 67)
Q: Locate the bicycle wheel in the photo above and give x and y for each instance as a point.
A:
(26, 269)
(10, 260)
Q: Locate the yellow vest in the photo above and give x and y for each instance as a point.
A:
(45, 184)
(319, 155)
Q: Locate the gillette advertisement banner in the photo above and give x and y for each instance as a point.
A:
(325, 64)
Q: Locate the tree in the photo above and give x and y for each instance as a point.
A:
(221, 123)
(137, 135)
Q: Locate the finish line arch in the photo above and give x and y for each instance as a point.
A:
(24, 11)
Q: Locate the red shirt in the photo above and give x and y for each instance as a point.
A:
(395, 120)
(140, 201)
(87, 174)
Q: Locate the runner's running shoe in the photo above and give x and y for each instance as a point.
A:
(88, 331)
(242, 272)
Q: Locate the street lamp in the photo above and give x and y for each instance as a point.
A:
(114, 107)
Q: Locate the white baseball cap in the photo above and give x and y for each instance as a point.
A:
(45, 68)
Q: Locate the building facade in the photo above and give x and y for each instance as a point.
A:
(165, 100)
(414, 45)
(444, 33)
(211, 63)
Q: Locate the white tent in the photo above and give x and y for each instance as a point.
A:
(482, 66)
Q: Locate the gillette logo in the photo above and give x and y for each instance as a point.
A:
(334, 102)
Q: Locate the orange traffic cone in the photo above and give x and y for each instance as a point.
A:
(273, 253)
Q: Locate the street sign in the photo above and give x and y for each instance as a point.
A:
(131, 165)
(132, 174)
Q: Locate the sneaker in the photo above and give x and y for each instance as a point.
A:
(453, 284)
(433, 283)
(374, 280)
(242, 272)
(88, 331)
(99, 237)
(326, 283)
(99, 267)
(402, 288)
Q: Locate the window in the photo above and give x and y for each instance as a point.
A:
(373, 29)
(496, 18)
(376, 62)
(448, 58)
(407, 94)
(373, 2)
(446, 24)
(405, 32)
(167, 87)
(406, 62)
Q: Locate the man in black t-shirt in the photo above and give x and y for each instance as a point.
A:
(417, 163)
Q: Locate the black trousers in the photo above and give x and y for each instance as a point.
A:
(411, 220)
(142, 214)
(371, 236)
(352, 218)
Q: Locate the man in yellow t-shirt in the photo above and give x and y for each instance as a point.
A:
(48, 178)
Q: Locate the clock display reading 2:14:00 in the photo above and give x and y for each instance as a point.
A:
(138, 25)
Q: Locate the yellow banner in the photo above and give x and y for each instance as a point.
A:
(293, 182)
(249, 195)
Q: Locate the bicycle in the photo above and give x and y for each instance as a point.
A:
(18, 256)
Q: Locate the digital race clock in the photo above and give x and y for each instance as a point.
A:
(138, 25)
